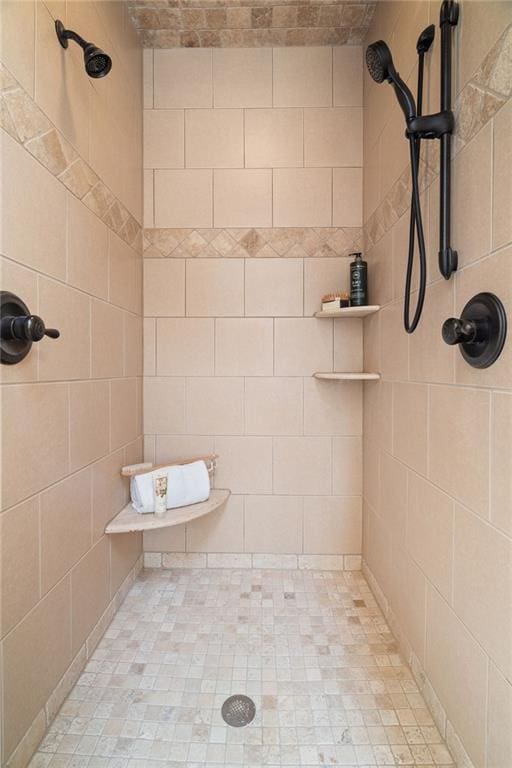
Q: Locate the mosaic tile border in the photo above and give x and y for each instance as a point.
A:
(248, 243)
(479, 101)
(20, 758)
(245, 560)
(246, 24)
(434, 705)
(22, 119)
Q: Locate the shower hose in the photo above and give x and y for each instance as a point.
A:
(415, 227)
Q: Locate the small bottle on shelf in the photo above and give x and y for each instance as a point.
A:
(358, 281)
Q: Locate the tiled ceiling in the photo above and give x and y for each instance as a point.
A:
(249, 23)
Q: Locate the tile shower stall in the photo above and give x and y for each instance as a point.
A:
(178, 221)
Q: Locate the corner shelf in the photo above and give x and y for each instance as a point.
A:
(350, 311)
(335, 376)
(128, 520)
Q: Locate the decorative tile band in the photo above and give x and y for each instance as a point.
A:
(478, 102)
(246, 243)
(28, 125)
(245, 24)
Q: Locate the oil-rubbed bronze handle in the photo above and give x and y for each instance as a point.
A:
(480, 332)
(26, 328)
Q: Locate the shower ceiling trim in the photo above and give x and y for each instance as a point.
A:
(249, 23)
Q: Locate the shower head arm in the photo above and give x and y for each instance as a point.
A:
(68, 34)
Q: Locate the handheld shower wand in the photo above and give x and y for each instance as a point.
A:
(437, 126)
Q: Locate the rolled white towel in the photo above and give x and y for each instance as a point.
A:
(186, 484)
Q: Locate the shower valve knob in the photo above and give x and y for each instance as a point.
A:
(457, 331)
(481, 330)
(26, 328)
(19, 329)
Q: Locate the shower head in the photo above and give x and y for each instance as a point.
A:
(380, 66)
(97, 62)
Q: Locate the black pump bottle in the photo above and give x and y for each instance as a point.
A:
(358, 281)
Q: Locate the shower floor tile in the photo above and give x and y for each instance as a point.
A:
(310, 648)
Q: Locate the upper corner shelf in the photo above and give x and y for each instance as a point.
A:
(350, 311)
(128, 520)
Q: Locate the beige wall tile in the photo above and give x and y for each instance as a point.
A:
(377, 548)
(472, 198)
(34, 211)
(185, 347)
(393, 496)
(34, 417)
(164, 287)
(147, 67)
(89, 591)
(18, 21)
(371, 481)
(321, 276)
(246, 465)
(501, 461)
(221, 531)
(482, 585)
(107, 324)
(123, 412)
(302, 346)
(182, 78)
(394, 361)
(165, 540)
(273, 406)
(67, 357)
(274, 138)
(332, 525)
(242, 77)
(164, 138)
(132, 352)
(89, 422)
(430, 532)
(483, 24)
(66, 530)
(410, 418)
(35, 656)
(408, 598)
(430, 358)
(457, 668)
(244, 347)
(214, 138)
(459, 444)
(347, 466)
(242, 198)
(87, 244)
(347, 197)
(499, 737)
(164, 406)
(331, 408)
(125, 275)
(348, 345)
(124, 553)
(109, 491)
(502, 194)
(274, 287)
(215, 406)
(172, 447)
(215, 287)
(149, 204)
(333, 137)
(20, 562)
(302, 77)
(393, 151)
(302, 465)
(380, 283)
(348, 67)
(302, 197)
(149, 346)
(183, 198)
(273, 524)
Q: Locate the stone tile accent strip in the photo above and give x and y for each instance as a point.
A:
(245, 24)
(27, 124)
(245, 243)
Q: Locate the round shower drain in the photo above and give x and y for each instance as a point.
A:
(238, 710)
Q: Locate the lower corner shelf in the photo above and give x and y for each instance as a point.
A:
(128, 520)
(340, 376)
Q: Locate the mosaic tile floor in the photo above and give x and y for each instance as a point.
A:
(310, 648)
